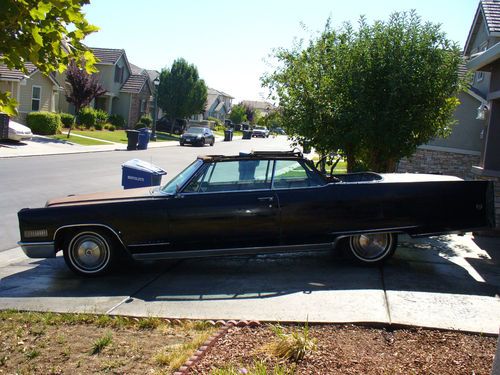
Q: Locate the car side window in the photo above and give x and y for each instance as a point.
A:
(234, 175)
(290, 174)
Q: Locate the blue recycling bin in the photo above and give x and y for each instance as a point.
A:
(137, 173)
(144, 135)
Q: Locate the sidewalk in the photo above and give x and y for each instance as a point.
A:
(40, 145)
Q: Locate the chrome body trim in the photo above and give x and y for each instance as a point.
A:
(91, 225)
(232, 251)
(150, 244)
(38, 249)
(381, 230)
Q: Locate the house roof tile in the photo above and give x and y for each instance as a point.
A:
(107, 55)
(15, 74)
(134, 83)
(491, 11)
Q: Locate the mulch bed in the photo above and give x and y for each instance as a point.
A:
(350, 349)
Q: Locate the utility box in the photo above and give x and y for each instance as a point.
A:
(4, 126)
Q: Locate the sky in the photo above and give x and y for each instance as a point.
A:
(230, 42)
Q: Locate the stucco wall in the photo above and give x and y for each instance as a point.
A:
(121, 105)
(466, 133)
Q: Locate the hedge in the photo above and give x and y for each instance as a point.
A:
(87, 117)
(44, 123)
(116, 120)
(67, 119)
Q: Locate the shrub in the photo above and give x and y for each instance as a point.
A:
(87, 117)
(44, 123)
(101, 116)
(98, 126)
(216, 120)
(146, 120)
(116, 120)
(67, 119)
(111, 128)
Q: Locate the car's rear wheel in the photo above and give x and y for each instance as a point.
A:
(181, 143)
(90, 253)
(372, 248)
(212, 143)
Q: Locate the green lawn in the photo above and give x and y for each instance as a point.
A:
(163, 136)
(119, 136)
(79, 140)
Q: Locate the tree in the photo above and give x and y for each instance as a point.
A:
(181, 92)
(238, 114)
(249, 112)
(45, 33)
(84, 88)
(373, 94)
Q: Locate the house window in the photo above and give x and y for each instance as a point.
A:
(479, 76)
(36, 96)
(143, 106)
(119, 74)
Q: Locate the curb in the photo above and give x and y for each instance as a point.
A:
(207, 345)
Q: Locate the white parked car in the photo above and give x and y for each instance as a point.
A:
(18, 132)
(260, 131)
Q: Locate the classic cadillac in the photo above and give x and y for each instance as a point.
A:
(262, 202)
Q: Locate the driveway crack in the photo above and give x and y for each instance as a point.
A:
(130, 297)
(386, 298)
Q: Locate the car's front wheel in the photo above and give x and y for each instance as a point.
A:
(372, 248)
(90, 253)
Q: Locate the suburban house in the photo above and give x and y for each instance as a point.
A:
(472, 150)
(263, 107)
(33, 91)
(218, 105)
(457, 153)
(128, 87)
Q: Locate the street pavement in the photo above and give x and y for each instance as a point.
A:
(448, 282)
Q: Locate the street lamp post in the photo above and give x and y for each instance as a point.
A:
(155, 108)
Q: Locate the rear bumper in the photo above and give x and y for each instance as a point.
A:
(38, 249)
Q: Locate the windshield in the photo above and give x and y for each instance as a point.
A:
(260, 128)
(195, 130)
(181, 178)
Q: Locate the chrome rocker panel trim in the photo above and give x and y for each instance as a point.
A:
(232, 251)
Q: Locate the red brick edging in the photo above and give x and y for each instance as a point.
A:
(207, 345)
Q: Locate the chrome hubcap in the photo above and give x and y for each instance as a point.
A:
(89, 253)
(371, 247)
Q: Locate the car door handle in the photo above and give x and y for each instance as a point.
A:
(265, 199)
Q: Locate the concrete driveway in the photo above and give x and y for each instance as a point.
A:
(449, 282)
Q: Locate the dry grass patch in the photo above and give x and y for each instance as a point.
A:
(48, 343)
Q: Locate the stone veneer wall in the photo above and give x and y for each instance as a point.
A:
(440, 162)
(496, 181)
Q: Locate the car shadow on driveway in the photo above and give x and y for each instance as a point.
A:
(438, 265)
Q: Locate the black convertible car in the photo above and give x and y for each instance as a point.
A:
(261, 202)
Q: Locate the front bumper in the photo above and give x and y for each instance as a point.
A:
(191, 140)
(38, 249)
(20, 137)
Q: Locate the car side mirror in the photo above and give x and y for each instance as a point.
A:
(178, 191)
